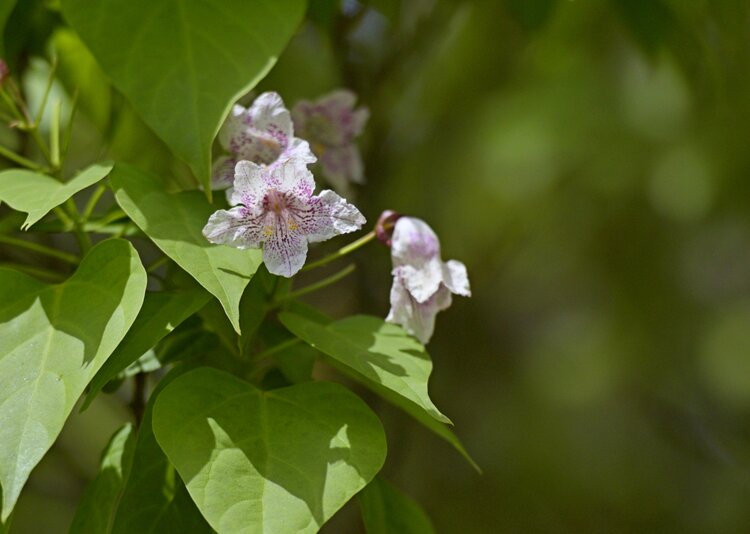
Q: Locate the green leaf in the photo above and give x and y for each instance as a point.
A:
(378, 351)
(79, 73)
(281, 461)
(386, 510)
(154, 499)
(96, 509)
(54, 339)
(384, 358)
(37, 194)
(183, 64)
(174, 221)
(161, 312)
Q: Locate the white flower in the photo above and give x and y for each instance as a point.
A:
(331, 124)
(263, 134)
(422, 281)
(275, 207)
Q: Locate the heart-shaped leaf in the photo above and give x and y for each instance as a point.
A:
(182, 64)
(37, 194)
(386, 510)
(384, 358)
(161, 312)
(280, 461)
(54, 339)
(175, 221)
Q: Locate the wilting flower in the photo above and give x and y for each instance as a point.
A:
(330, 124)
(263, 134)
(422, 281)
(275, 207)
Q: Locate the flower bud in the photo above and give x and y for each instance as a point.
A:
(384, 226)
(4, 71)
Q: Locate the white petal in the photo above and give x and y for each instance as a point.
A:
(268, 114)
(327, 215)
(455, 278)
(424, 282)
(290, 176)
(285, 252)
(417, 319)
(233, 126)
(342, 165)
(414, 243)
(238, 227)
(298, 150)
(249, 185)
(222, 173)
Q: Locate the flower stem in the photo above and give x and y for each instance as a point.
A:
(325, 282)
(343, 251)
(84, 241)
(92, 202)
(156, 264)
(41, 249)
(54, 136)
(12, 156)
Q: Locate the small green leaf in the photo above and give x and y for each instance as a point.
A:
(154, 499)
(175, 223)
(160, 314)
(384, 358)
(386, 510)
(54, 339)
(37, 194)
(183, 64)
(281, 461)
(96, 509)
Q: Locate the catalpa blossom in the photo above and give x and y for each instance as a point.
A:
(275, 208)
(422, 281)
(263, 134)
(330, 124)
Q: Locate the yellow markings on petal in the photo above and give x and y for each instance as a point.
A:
(292, 225)
(268, 231)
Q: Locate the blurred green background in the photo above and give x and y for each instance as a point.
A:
(588, 161)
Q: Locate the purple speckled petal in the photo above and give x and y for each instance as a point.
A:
(456, 278)
(331, 120)
(249, 186)
(233, 127)
(285, 251)
(291, 176)
(342, 165)
(325, 216)
(298, 150)
(222, 173)
(238, 227)
(414, 243)
(269, 114)
(418, 319)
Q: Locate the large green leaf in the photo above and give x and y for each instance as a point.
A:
(154, 499)
(96, 509)
(386, 510)
(54, 339)
(280, 461)
(380, 352)
(183, 63)
(161, 312)
(37, 194)
(384, 358)
(175, 223)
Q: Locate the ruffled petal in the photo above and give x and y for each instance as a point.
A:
(424, 282)
(238, 227)
(222, 173)
(268, 114)
(342, 165)
(233, 128)
(414, 243)
(249, 186)
(290, 176)
(418, 319)
(325, 216)
(298, 150)
(285, 251)
(331, 120)
(455, 278)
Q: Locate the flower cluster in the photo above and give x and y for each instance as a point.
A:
(422, 281)
(274, 206)
(272, 194)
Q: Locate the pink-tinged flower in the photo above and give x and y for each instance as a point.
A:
(275, 207)
(331, 124)
(263, 134)
(422, 281)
